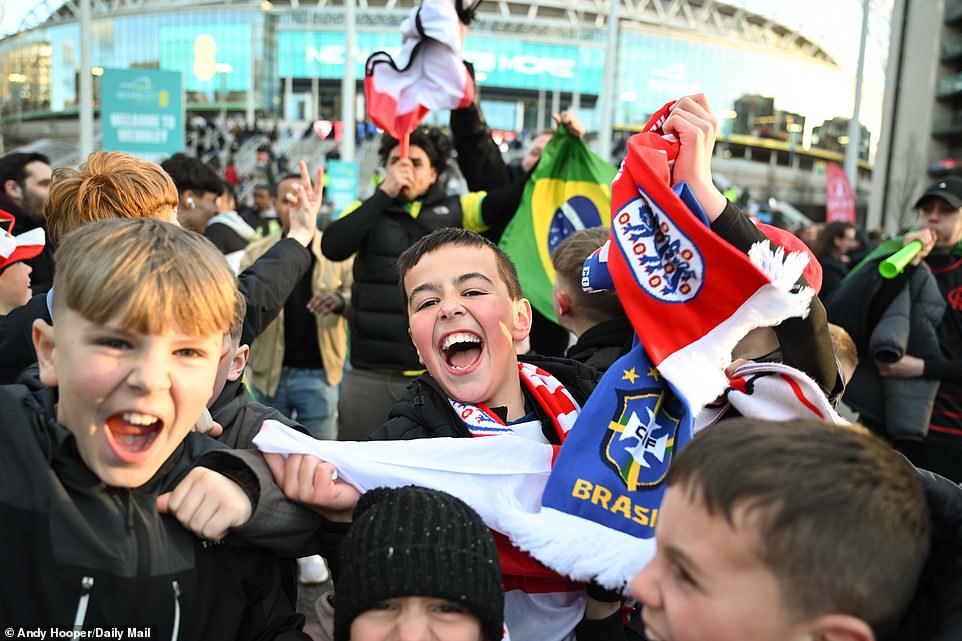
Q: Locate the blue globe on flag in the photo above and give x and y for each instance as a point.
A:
(578, 212)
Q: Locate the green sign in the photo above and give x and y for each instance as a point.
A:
(341, 184)
(212, 57)
(498, 62)
(142, 112)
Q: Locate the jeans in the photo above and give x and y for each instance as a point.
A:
(305, 396)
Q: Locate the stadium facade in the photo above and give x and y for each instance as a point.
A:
(774, 88)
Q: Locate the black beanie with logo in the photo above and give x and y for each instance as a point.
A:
(412, 541)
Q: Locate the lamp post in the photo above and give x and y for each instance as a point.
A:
(853, 139)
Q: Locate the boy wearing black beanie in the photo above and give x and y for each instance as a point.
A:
(418, 558)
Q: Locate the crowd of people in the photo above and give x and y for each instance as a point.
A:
(150, 325)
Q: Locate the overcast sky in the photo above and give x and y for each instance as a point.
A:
(12, 11)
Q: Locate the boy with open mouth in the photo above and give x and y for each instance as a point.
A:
(92, 460)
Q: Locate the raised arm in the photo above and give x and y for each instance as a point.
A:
(805, 342)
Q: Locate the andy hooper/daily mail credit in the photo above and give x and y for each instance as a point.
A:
(64, 633)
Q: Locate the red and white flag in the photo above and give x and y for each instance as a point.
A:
(428, 74)
(25, 246)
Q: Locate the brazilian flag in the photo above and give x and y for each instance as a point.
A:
(570, 189)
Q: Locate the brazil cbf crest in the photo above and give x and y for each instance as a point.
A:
(642, 436)
(663, 260)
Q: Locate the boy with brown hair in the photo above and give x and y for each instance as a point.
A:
(801, 530)
(142, 308)
(597, 319)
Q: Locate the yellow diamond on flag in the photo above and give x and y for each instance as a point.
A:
(560, 207)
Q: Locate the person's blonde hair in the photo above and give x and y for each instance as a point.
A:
(153, 275)
(109, 185)
(237, 323)
(846, 354)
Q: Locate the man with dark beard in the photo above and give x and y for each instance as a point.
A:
(24, 184)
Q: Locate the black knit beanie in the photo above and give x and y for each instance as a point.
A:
(413, 541)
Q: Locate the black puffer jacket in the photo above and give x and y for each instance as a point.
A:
(242, 417)
(379, 231)
(833, 271)
(936, 610)
(479, 157)
(305, 532)
(899, 408)
(424, 410)
(76, 552)
(603, 344)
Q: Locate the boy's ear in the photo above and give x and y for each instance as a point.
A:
(187, 198)
(45, 345)
(238, 363)
(841, 627)
(522, 319)
(562, 302)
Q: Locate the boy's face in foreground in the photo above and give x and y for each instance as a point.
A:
(416, 619)
(706, 582)
(129, 398)
(464, 323)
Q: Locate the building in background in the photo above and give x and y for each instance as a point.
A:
(832, 135)
(770, 83)
(921, 134)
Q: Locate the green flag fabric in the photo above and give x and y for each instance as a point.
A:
(570, 189)
(884, 250)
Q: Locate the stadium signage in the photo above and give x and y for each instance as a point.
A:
(142, 112)
(504, 63)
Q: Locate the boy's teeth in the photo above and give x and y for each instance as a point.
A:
(459, 338)
(136, 418)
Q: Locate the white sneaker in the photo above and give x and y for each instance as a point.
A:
(312, 569)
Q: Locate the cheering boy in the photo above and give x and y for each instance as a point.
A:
(141, 310)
